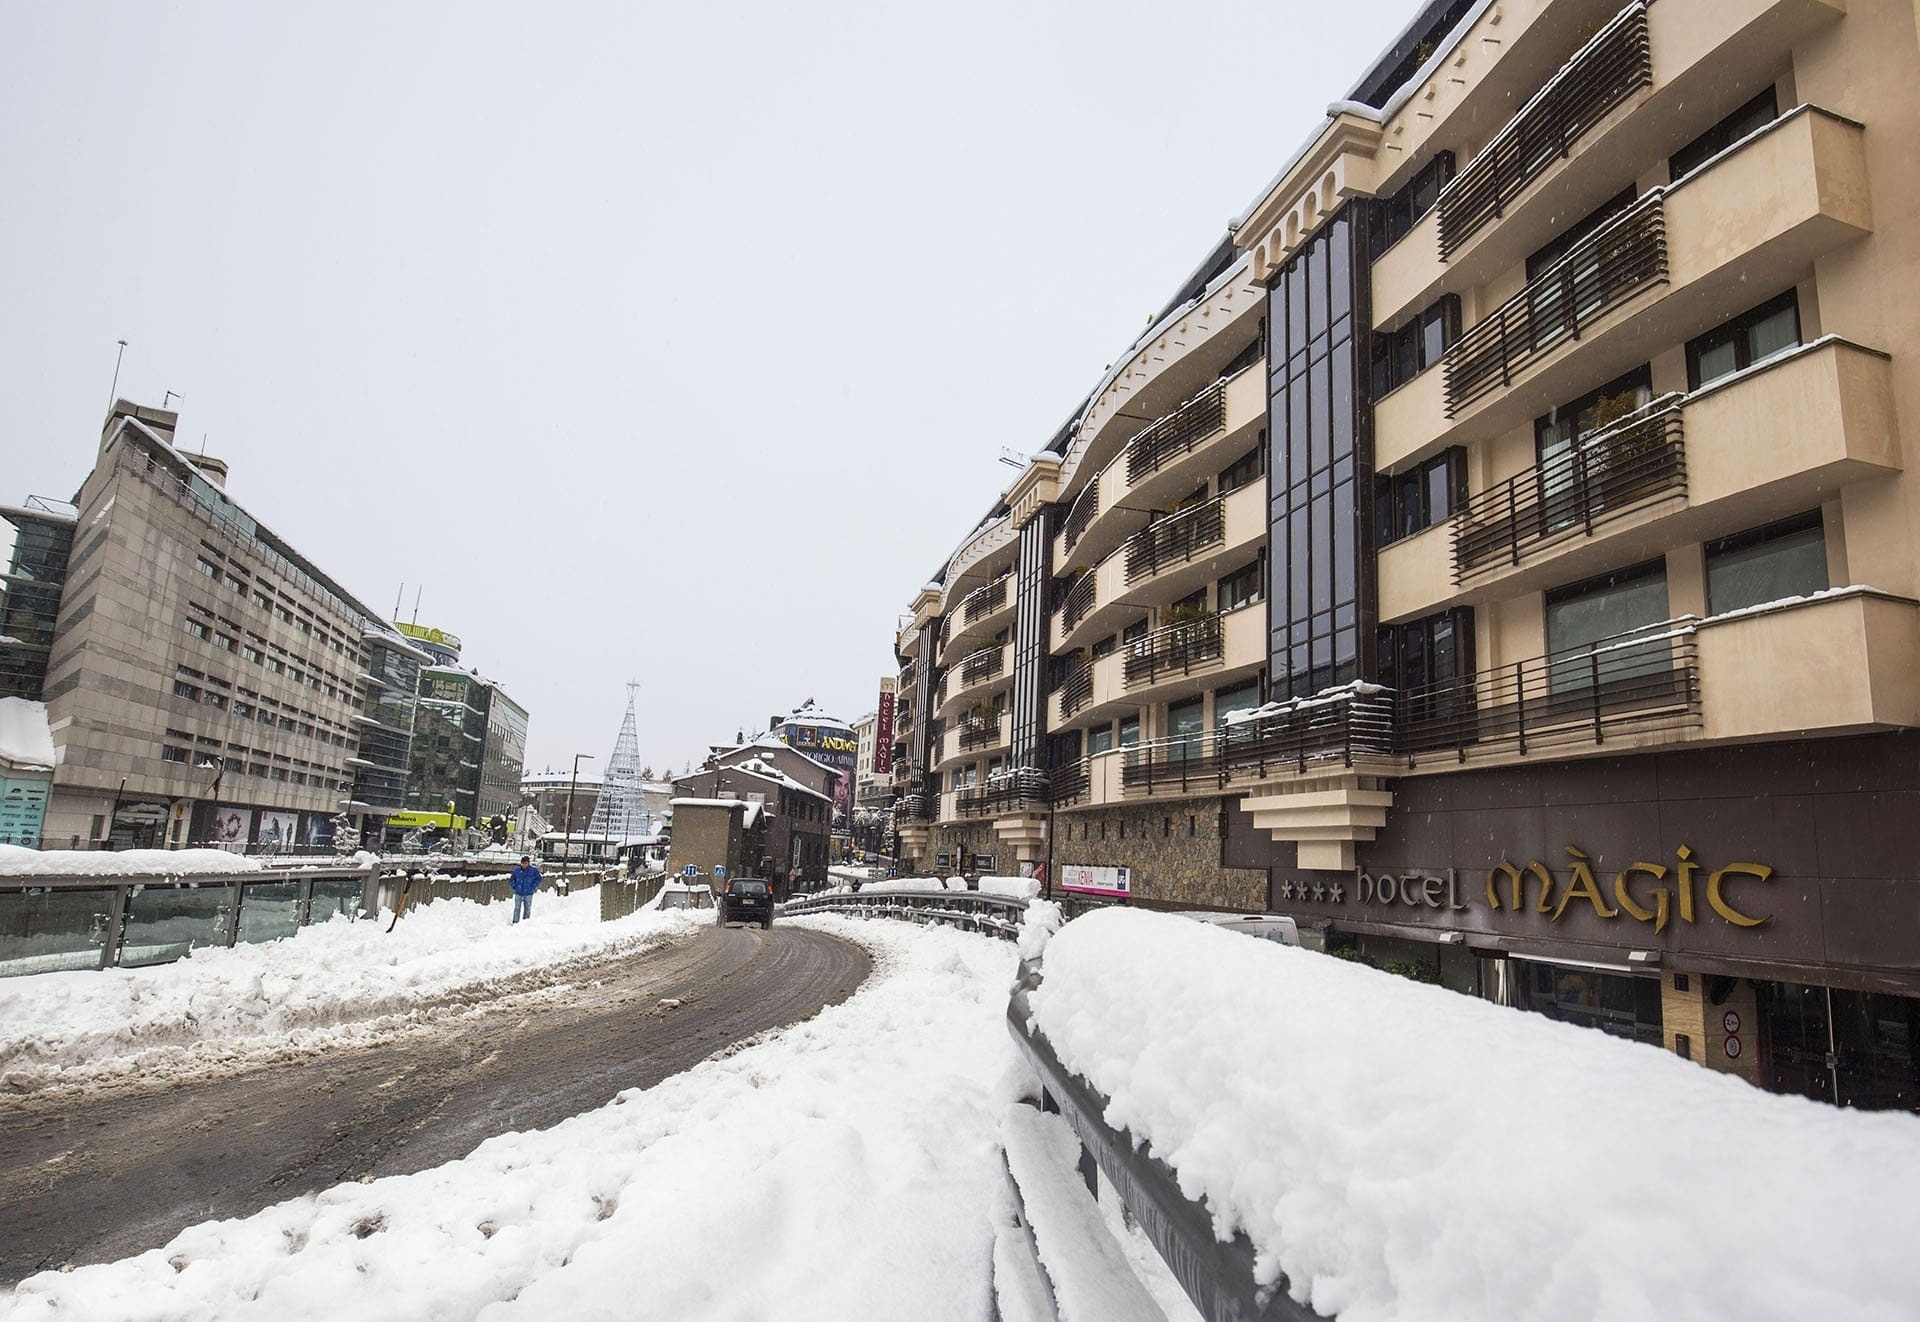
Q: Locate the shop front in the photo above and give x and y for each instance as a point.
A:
(1753, 909)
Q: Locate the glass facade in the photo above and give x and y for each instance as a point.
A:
(1321, 587)
(47, 931)
(504, 755)
(36, 576)
(393, 682)
(1031, 627)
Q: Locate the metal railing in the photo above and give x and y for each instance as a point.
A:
(1624, 256)
(1177, 433)
(1175, 539)
(1177, 649)
(990, 915)
(1076, 691)
(979, 734)
(1009, 791)
(982, 664)
(1638, 459)
(1344, 729)
(914, 808)
(984, 601)
(1085, 506)
(1066, 784)
(1078, 601)
(1218, 1276)
(1603, 73)
(1641, 680)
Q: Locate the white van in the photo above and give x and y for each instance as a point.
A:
(1267, 926)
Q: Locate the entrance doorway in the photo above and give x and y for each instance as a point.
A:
(1846, 1047)
(1617, 1003)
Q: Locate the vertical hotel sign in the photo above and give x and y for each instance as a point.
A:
(883, 731)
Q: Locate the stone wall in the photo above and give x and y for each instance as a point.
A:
(972, 838)
(1173, 849)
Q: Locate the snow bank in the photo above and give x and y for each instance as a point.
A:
(335, 983)
(1012, 888)
(25, 738)
(1403, 1151)
(906, 885)
(18, 862)
(849, 1160)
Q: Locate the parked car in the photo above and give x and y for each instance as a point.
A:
(747, 900)
(1268, 926)
(685, 895)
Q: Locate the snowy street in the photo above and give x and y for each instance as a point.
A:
(467, 1029)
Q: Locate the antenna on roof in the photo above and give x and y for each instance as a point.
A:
(1011, 457)
(113, 391)
(416, 602)
(396, 598)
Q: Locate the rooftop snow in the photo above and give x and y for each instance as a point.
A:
(25, 740)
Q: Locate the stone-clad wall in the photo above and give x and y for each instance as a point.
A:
(973, 838)
(1173, 849)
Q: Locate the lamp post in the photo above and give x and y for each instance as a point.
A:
(570, 784)
(218, 766)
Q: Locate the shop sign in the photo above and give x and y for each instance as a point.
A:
(883, 731)
(1651, 893)
(1085, 880)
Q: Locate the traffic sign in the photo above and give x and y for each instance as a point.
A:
(690, 871)
(719, 870)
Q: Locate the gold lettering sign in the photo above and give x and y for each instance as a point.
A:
(1649, 903)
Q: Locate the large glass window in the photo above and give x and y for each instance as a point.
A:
(1562, 291)
(1243, 697)
(1243, 586)
(1412, 501)
(1401, 355)
(1752, 337)
(1753, 116)
(1784, 559)
(1186, 722)
(1568, 473)
(1592, 626)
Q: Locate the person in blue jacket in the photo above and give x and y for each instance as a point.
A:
(525, 880)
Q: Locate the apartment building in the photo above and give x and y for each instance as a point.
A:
(204, 682)
(1500, 554)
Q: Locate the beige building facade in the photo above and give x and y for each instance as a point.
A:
(1501, 554)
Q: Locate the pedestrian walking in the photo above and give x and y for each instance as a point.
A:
(525, 880)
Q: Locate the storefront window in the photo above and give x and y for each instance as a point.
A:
(1846, 1047)
(1616, 1003)
(1589, 628)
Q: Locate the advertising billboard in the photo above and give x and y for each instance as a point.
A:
(831, 746)
(1114, 882)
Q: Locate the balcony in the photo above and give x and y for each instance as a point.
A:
(1178, 649)
(969, 736)
(1003, 795)
(1637, 461)
(1840, 662)
(1611, 67)
(1164, 666)
(1705, 60)
(980, 673)
(1622, 258)
(979, 614)
(1765, 443)
(1751, 221)
(1174, 540)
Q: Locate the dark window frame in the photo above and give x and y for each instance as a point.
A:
(1756, 114)
(1735, 330)
(1395, 518)
(1392, 218)
(1396, 357)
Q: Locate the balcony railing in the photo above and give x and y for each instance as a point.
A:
(1346, 728)
(979, 734)
(940, 691)
(1603, 73)
(1079, 601)
(946, 631)
(914, 808)
(1175, 540)
(1643, 679)
(984, 601)
(1082, 512)
(1067, 784)
(1178, 432)
(982, 664)
(1640, 458)
(1009, 791)
(1076, 691)
(1602, 271)
(1178, 649)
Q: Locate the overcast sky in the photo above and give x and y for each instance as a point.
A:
(665, 342)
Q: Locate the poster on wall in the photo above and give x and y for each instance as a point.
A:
(1116, 882)
(279, 830)
(231, 827)
(319, 831)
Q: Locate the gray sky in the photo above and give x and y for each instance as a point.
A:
(665, 342)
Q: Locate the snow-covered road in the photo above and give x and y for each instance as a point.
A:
(838, 1169)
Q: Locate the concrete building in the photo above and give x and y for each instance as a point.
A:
(204, 681)
(794, 816)
(1500, 554)
(549, 790)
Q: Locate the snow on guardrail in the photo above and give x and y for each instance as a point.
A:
(1401, 1150)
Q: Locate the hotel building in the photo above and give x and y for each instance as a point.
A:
(1500, 554)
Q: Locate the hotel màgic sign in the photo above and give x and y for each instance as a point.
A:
(1534, 894)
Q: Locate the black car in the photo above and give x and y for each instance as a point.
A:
(747, 900)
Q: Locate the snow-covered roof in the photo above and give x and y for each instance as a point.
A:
(771, 741)
(751, 816)
(25, 739)
(762, 771)
(811, 713)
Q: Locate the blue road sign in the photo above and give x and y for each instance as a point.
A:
(690, 871)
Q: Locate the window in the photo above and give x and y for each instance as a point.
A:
(1392, 217)
(1129, 731)
(168, 753)
(1243, 586)
(1186, 722)
(1607, 611)
(182, 689)
(1421, 654)
(1565, 292)
(225, 641)
(1755, 114)
(1249, 467)
(1409, 502)
(1245, 697)
(1784, 559)
(1754, 336)
(1565, 476)
(197, 629)
(1100, 738)
(207, 567)
(1399, 356)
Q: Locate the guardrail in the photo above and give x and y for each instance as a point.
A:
(989, 915)
(1218, 1277)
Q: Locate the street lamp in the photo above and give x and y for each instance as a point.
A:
(218, 766)
(570, 784)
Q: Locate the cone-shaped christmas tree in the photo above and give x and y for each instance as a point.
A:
(622, 808)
